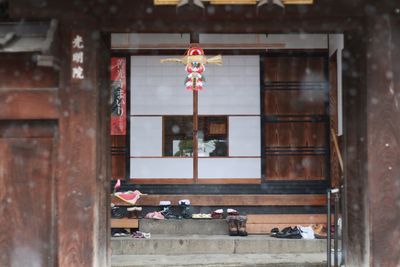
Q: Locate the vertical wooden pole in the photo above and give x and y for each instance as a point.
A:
(383, 135)
(84, 162)
(195, 136)
(194, 38)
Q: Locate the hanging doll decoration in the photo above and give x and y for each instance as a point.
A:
(195, 61)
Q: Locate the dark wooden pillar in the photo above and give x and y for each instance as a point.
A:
(383, 128)
(355, 148)
(83, 164)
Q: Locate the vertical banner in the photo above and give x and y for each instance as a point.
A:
(118, 92)
(77, 57)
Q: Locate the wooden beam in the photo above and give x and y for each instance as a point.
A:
(190, 181)
(28, 104)
(231, 200)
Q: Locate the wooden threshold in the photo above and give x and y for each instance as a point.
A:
(231, 200)
(191, 181)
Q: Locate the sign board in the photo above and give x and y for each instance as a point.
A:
(118, 93)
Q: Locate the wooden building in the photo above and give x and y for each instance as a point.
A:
(287, 82)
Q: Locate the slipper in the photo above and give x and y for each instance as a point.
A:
(217, 214)
(139, 234)
(232, 212)
(154, 215)
(201, 216)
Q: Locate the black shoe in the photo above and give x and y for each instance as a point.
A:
(292, 233)
(167, 213)
(274, 231)
(119, 212)
(184, 206)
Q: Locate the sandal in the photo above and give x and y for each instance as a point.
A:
(139, 234)
(217, 214)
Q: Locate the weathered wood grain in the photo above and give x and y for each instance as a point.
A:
(20, 71)
(29, 104)
(231, 200)
(27, 212)
(83, 166)
(295, 167)
(383, 139)
(124, 223)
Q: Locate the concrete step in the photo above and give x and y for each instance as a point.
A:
(213, 244)
(234, 260)
(184, 227)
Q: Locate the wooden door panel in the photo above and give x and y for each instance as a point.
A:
(295, 135)
(295, 167)
(27, 206)
(294, 102)
(294, 69)
(118, 156)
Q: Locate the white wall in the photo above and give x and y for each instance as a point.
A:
(158, 88)
(146, 136)
(244, 136)
(236, 168)
(150, 168)
(233, 88)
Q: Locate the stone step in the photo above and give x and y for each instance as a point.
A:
(213, 244)
(214, 260)
(184, 227)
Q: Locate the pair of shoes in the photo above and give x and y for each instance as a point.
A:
(237, 225)
(134, 212)
(165, 209)
(185, 209)
(289, 232)
(119, 232)
(139, 234)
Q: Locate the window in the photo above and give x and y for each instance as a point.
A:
(178, 136)
(212, 136)
(167, 120)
